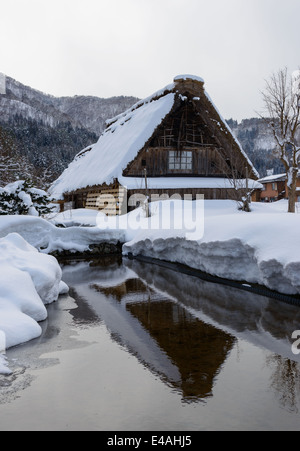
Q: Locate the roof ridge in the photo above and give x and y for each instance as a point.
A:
(155, 96)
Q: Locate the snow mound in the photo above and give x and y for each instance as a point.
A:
(29, 280)
(73, 218)
(47, 238)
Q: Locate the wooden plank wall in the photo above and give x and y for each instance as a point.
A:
(206, 162)
(109, 200)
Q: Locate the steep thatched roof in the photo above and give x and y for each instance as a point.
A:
(128, 133)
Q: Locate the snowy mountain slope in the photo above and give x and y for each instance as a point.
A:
(29, 104)
(81, 111)
(92, 112)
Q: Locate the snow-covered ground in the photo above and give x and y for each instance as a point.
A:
(29, 280)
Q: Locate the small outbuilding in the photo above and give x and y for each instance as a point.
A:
(173, 142)
(275, 188)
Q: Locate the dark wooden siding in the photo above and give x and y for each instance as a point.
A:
(207, 162)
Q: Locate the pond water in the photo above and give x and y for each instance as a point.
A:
(137, 347)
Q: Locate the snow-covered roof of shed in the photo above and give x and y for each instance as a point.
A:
(273, 178)
(125, 135)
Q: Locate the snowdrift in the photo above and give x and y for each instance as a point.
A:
(29, 281)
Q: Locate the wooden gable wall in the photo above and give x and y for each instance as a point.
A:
(183, 145)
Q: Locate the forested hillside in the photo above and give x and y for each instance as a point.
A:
(257, 140)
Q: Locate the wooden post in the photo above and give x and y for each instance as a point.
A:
(147, 194)
(248, 199)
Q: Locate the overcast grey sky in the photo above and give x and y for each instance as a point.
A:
(135, 47)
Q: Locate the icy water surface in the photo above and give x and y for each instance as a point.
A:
(136, 347)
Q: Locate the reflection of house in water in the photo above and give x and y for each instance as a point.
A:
(146, 309)
(196, 349)
(131, 287)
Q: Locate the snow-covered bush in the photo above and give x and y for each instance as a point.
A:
(21, 198)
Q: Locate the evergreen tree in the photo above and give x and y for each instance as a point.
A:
(13, 165)
(21, 198)
(48, 150)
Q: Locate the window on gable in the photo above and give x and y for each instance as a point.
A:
(180, 161)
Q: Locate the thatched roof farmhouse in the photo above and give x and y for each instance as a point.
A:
(174, 141)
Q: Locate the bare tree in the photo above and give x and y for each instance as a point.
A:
(282, 102)
(236, 171)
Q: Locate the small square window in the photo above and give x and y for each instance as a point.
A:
(180, 161)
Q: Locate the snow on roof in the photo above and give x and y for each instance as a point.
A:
(185, 182)
(116, 147)
(188, 77)
(84, 151)
(156, 95)
(273, 178)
